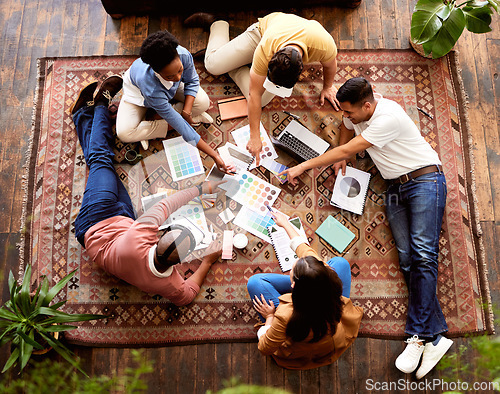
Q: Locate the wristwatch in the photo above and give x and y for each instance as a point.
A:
(200, 188)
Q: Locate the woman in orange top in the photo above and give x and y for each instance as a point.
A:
(309, 319)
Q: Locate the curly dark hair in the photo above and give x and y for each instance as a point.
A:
(159, 49)
(316, 297)
(285, 67)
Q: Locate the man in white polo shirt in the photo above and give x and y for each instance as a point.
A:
(415, 203)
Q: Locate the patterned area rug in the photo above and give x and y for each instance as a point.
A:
(55, 182)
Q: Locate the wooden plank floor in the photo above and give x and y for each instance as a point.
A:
(30, 29)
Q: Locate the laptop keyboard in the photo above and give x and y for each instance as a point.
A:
(298, 146)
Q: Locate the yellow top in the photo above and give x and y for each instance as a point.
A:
(279, 30)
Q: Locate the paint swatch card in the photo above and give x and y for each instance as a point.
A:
(254, 222)
(275, 168)
(194, 214)
(251, 191)
(183, 159)
(227, 245)
(242, 136)
(231, 153)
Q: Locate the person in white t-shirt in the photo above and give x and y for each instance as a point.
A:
(415, 203)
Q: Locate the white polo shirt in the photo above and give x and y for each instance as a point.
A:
(398, 147)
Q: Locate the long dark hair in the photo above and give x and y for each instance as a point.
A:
(317, 305)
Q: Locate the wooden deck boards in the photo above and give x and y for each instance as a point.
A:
(33, 28)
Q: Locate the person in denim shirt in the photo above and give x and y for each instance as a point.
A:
(161, 91)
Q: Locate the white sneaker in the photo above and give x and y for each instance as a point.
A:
(407, 361)
(432, 355)
(203, 118)
(145, 144)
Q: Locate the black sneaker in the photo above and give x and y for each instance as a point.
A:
(109, 87)
(85, 97)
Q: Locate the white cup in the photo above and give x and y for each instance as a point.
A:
(240, 241)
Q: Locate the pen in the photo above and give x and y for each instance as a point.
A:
(425, 113)
(292, 115)
(268, 207)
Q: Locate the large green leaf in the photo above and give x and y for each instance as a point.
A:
(29, 339)
(63, 351)
(13, 288)
(8, 315)
(44, 288)
(478, 20)
(448, 35)
(62, 317)
(26, 351)
(12, 359)
(58, 287)
(59, 328)
(427, 19)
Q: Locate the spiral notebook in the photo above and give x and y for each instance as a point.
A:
(281, 243)
(349, 191)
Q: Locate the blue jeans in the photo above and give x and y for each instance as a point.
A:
(415, 213)
(274, 285)
(104, 196)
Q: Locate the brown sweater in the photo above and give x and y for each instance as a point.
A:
(304, 354)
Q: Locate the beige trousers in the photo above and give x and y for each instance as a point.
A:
(232, 57)
(131, 126)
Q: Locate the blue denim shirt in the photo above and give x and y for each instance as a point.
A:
(158, 97)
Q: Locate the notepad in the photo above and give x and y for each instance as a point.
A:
(234, 107)
(281, 243)
(349, 191)
(335, 233)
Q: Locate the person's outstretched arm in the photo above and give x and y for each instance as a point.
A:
(254, 145)
(342, 152)
(212, 255)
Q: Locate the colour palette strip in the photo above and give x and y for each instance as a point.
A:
(275, 169)
(242, 136)
(183, 159)
(255, 223)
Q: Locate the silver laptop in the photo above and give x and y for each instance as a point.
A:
(299, 142)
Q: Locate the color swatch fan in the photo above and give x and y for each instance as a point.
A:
(251, 191)
(254, 222)
(183, 159)
(242, 136)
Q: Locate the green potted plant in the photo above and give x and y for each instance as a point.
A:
(28, 321)
(436, 25)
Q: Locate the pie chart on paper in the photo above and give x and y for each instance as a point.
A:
(350, 187)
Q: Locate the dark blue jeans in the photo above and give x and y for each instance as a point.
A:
(415, 213)
(274, 285)
(104, 196)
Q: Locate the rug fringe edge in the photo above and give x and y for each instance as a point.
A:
(475, 205)
(25, 175)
